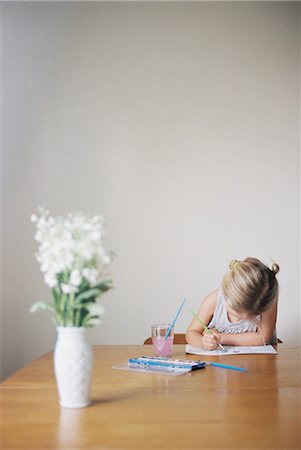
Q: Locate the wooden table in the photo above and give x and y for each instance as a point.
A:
(212, 408)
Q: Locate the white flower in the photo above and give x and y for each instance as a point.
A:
(68, 289)
(70, 250)
(39, 236)
(91, 275)
(44, 267)
(50, 279)
(75, 277)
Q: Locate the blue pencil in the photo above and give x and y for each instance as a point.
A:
(226, 366)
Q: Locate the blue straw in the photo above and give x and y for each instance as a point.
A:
(174, 321)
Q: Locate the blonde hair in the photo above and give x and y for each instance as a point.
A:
(251, 286)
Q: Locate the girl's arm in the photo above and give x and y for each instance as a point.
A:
(194, 332)
(261, 337)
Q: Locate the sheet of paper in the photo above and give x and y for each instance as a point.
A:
(232, 350)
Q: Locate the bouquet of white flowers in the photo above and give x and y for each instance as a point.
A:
(73, 262)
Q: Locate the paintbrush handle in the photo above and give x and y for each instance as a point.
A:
(227, 366)
(208, 330)
(223, 348)
(202, 323)
(175, 319)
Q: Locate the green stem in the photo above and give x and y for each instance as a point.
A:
(65, 298)
(71, 309)
(64, 308)
(77, 317)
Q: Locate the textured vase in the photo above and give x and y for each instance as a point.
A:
(73, 363)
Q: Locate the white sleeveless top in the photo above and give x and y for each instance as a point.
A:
(222, 324)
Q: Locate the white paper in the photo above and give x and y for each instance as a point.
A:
(232, 350)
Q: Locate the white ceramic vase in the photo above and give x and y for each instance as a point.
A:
(73, 363)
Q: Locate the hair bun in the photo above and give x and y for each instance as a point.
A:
(275, 268)
(233, 263)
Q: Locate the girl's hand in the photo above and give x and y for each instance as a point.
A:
(210, 341)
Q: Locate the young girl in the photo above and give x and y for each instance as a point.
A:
(243, 311)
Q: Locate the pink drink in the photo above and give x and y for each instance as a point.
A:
(163, 347)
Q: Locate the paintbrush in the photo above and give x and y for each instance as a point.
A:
(208, 330)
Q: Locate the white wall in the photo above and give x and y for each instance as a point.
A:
(1, 205)
(180, 123)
